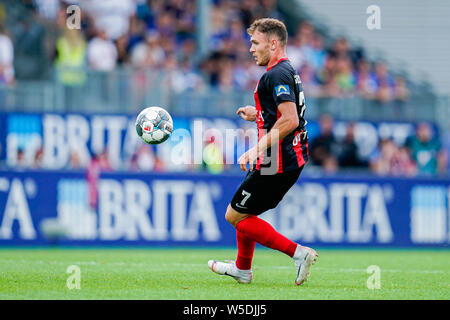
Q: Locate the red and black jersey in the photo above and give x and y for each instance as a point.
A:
(279, 84)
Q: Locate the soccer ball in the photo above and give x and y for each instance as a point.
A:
(154, 125)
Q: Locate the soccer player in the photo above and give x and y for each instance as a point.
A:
(279, 111)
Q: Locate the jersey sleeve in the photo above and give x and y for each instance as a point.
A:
(282, 87)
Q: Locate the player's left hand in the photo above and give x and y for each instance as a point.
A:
(249, 157)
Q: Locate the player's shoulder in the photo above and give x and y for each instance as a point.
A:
(281, 69)
(282, 66)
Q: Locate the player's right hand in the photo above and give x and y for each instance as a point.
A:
(247, 113)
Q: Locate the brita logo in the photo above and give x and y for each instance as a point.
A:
(74, 212)
(133, 210)
(428, 214)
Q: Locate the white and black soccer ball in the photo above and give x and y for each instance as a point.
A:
(154, 125)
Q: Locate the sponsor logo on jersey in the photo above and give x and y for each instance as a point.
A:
(282, 89)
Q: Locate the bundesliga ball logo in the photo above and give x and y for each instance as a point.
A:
(154, 125)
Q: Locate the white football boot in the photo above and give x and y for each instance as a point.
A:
(304, 257)
(229, 268)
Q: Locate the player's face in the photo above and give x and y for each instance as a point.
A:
(260, 48)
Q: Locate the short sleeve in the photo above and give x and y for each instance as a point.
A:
(282, 87)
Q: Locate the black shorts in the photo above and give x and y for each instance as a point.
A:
(259, 193)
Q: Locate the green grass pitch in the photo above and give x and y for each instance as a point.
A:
(183, 274)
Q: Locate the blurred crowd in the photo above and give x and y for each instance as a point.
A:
(157, 34)
(161, 35)
(422, 154)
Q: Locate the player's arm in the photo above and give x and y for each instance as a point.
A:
(282, 87)
(286, 123)
(247, 113)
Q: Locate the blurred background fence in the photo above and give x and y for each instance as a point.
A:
(126, 90)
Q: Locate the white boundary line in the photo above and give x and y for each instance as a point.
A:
(204, 265)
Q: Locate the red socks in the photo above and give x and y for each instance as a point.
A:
(246, 247)
(253, 229)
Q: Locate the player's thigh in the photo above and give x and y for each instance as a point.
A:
(247, 194)
(281, 185)
(259, 193)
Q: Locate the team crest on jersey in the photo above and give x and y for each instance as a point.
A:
(282, 89)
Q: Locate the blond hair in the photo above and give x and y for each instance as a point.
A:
(270, 27)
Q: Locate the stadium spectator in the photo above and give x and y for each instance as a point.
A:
(31, 56)
(401, 92)
(426, 150)
(317, 54)
(242, 76)
(112, 16)
(213, 160)
(212, 66)
(185, 19)
(48, 8)
(99, 163)
(165, 24)
(189, 78)
(390, 159)
(38, 159)
(381, 160)
(309, 81)
(402, 164)
(123, 57)
(330, 164)
(299, 46)
(70, 66)
(148, 53)
(6, 58)
(136, 34)
(250, 10)
(385, 83)
(345, 80)
(270, 9)
(179, 77)
(187, 50)
(349, 151)
(326, 77)
(101, 53)
(145, 159)
(325, 144)
(342, 49)
(218, 23)
(70, 58)
(365, 82)
(21, 161)
(225, 83)
(236, 32)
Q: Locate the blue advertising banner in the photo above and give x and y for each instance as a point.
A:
(41, 207)
(55, 138)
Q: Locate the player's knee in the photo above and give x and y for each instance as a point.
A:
(229, 215)
(234, 217)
